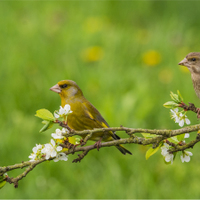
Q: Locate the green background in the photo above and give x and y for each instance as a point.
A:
(102, 45)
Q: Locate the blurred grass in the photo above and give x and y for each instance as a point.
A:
(105, 47)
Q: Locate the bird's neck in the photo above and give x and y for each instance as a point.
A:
(72, 100)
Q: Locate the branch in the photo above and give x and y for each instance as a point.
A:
(161, 135)
(130, 131)
(191, 107)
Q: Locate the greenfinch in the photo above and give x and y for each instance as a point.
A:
(84, 115)
(192, 62)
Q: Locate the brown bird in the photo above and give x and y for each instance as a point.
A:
(84, 115)
(192, 62)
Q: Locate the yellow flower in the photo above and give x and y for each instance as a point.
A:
(151, 58)
(92, 54)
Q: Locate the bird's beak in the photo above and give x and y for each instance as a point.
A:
(56, 88)
(183, 62)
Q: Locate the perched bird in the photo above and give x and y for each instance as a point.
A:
(84, 115)
(192, 62)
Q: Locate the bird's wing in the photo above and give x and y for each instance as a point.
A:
(96, 117)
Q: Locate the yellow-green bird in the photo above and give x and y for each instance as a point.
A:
(84, 115)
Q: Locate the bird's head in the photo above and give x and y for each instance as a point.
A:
(67, 89)
(192, 62)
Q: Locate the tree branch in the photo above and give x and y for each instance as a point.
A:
(161, 135)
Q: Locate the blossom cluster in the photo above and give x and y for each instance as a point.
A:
(53, 149)
(50, 150)
(63, 112)
(169, 157)
(181, 119)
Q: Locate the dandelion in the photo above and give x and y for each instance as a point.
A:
(151, 58)
(92, 54)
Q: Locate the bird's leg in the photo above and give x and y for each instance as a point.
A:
(98, 144)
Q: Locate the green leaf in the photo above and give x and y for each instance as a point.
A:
(181, 137)
(174, 97)
(152, 151)
(179, 96)
(48, 125)
(170, 104)
(45, 114)
(2, 180)
(174, 140)
(2, 184)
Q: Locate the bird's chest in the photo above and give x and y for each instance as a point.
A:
(196, 84)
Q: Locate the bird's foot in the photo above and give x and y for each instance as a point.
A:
(98, 144)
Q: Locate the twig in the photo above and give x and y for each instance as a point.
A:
(162, 134)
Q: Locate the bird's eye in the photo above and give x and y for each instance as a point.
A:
(193, 59)
(63, 86)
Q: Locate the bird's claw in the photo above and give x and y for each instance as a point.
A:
(98, 144)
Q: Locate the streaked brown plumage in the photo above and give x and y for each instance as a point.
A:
(192, 62)
(84, 115)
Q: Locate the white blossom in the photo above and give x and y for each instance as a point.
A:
(56, 115)
(37, 148)
(63, 111)
(164, 149)
(187, 135)
(50, 150)
(36, 151)
(179, 117)
(185, 157)
(32, 157)
(174, 115)
(58, 133)
(168, 156)
(61, 156)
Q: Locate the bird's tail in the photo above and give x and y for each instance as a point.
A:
(123, 150)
